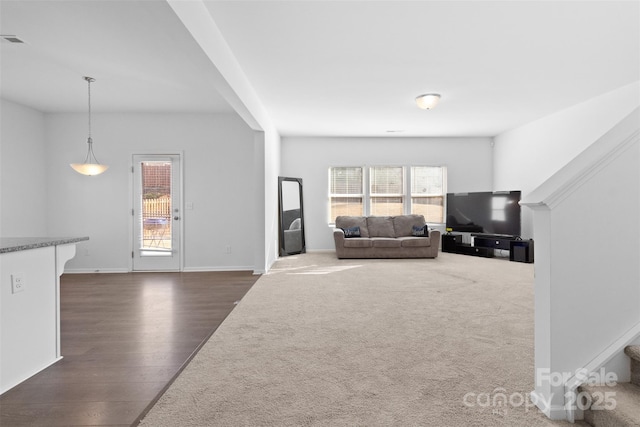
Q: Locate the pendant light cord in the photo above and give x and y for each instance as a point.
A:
(91, 157)
(91, 165)
(89, 80)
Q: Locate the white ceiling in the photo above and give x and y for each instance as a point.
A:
(141, 55)
(349, 68)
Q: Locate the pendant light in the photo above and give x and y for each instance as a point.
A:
(91, 165)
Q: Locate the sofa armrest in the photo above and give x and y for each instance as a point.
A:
(338, 238)
(435, 238)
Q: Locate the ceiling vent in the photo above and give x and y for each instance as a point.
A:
(11, 39)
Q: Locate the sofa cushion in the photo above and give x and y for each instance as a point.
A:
(385, 242)
(350, 232)
(420, 231)
(415, 242)
(380, 226)
(353, 221)
(357, 242)
(403, 224)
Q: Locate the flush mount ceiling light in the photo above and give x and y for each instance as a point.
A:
(428, 101)
(91, 165)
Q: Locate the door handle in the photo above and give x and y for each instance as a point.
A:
(176, 218)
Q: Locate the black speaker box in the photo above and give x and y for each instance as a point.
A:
(521, 251)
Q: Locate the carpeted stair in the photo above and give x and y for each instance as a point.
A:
(625, 396)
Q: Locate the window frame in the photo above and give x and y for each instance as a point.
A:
(402, 195)
(442, 195)
(333, 196)
(407, 196)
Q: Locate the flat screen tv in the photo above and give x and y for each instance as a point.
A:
(484, 212)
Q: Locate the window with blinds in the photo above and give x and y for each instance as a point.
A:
(390, 191)
(427, 192)
(386, 190)
(345, 192)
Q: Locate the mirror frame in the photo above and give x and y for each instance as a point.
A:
(283, 251)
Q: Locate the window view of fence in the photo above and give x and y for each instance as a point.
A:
(156, 205)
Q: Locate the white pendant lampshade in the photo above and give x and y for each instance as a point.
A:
(428, 101)
(91, 165)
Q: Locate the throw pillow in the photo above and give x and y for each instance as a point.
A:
(420, 231)
(351, 232)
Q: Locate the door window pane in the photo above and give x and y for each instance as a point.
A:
(156, 205)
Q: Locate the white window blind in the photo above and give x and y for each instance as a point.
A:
(390, 191)
(386, 190)
(427, 192)
(345, 192)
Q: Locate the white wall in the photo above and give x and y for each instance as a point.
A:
(218, 180)
(267, 167)
(468, 161)
(272, 156)
(22, 189)
(230, 80)
(527, 156)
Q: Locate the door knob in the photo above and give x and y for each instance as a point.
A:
(176, 218)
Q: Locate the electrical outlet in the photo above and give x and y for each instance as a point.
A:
(17, 283)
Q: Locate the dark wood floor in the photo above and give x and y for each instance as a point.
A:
(124, 338)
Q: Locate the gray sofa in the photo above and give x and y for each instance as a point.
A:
(384, 237)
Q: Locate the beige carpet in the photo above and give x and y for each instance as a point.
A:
(326, 342)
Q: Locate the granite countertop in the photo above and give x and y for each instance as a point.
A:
(15, 244)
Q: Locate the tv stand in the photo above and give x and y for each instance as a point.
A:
(494, 241)
(484, 245)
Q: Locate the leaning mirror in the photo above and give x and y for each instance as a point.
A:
(291, 220)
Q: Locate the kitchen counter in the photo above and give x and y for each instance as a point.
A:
(30, 270)
(14, 244)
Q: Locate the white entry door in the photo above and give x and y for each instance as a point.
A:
(156, 212)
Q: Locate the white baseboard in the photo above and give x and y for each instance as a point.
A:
(9, 386)
(220, 268)
(553, 412)
(94, 270)
(186, 269)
